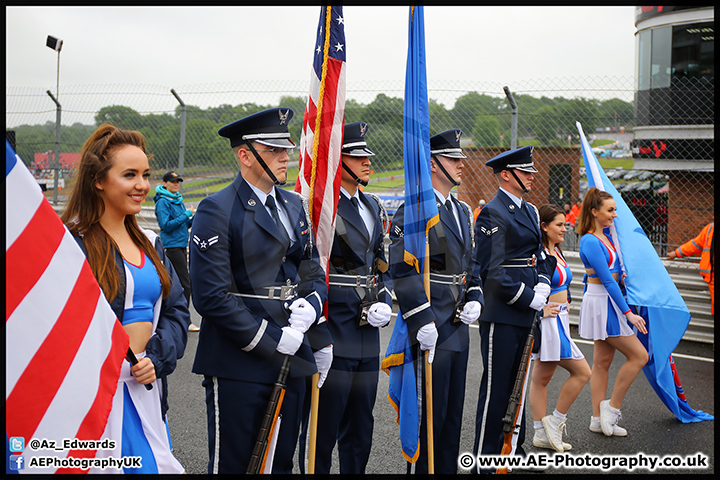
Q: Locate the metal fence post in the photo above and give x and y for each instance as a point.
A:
(183, 112)
(56, 164)
(514, 127)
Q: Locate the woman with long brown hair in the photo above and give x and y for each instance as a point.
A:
(605, 316)
(557, 348)
(139, 283)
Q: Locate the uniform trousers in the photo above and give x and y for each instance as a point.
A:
(235, 410)
(178, 256)
(345, 415)
(448, 376)
(501, 347)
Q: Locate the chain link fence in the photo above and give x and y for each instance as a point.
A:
(181, 123)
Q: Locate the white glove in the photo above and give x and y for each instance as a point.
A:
(323, 360)
(538, 302)
(471, 312)
(427, 337)
(290, 341)
(379, 314)
(302, 315)
(543, 289)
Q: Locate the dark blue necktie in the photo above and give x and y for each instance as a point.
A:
(270, 203)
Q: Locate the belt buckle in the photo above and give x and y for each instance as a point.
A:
(286, 291)
(370, 281)
(463, 276)
(531, 262)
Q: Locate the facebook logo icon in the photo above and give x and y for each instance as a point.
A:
(16, 462)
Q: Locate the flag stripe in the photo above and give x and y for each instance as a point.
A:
(91, 426)
(35, 316)
(40, 381)
(28, 257)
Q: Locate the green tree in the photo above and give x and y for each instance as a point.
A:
(469, 106)
(119, 116)
(386, 111)
(487, 131)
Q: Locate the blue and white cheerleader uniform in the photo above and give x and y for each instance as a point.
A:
(555, 341)
(603, 308)
(136, 415)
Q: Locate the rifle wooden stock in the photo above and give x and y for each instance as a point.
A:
(259, 453)
(510, 419)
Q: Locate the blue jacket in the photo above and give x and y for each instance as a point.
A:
(344, 302)
(504, 232)
(449, 254)
(167, 344)
(236, 247)
(173, 218)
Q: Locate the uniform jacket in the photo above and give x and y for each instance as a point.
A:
(701, 245)
(237, 247)
(172, 219)
(504, 231)
(344, 302)
(408, 284)
(171, 318)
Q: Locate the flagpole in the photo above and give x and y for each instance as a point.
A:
(428, 372)
(314, 402)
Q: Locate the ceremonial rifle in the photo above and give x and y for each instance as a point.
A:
(510, 420)
(267, 427)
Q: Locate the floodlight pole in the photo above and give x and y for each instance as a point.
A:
(56, 163)
(514, 128)
(183, 111)
(56, 44)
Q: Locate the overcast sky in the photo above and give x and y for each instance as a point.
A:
(181, 46)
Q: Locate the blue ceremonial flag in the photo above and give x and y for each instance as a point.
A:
(658, 301)
(420, 215)
(421, 211)
(403, 391)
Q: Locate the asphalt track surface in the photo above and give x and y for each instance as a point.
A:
(653, 431)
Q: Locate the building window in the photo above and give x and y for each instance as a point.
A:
(681, 55)
(660, 57)
(693, 50)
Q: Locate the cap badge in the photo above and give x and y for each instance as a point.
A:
(283, 116)
(457, 135)
(363, 129)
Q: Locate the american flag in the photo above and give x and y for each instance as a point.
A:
(64, 345)
(321, 138)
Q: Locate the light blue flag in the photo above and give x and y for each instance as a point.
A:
(420, 215)
(657, 300)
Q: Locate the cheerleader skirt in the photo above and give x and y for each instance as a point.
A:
(555, 341)
(138, 429)
(600, 318)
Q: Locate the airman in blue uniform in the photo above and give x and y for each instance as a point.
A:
(456, 300)
(509, 259)
(259, 287)
(359, 302)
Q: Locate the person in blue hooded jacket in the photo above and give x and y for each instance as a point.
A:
(174, 221)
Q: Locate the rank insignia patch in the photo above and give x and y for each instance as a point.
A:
(488, 231)
(203, 244)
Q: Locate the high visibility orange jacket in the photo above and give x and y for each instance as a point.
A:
(701, 245)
